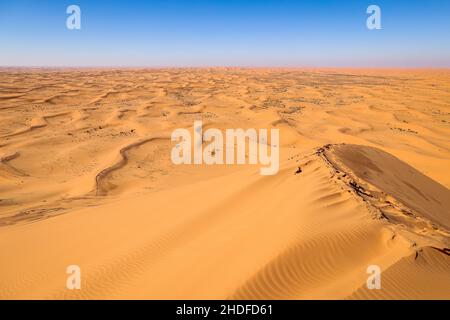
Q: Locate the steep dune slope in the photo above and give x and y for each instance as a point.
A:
(414, 190)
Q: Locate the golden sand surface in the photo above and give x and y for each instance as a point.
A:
(86, 179)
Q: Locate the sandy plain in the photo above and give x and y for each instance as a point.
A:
(86, 179)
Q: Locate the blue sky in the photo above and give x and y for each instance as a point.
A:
(321, 33)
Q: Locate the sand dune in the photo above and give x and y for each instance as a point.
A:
(414, 194)
(86, 179)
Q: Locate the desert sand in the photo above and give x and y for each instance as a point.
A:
(86, 179)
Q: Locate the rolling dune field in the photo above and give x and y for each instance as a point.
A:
(86, 179)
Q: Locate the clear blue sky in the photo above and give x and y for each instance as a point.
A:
(415, 33)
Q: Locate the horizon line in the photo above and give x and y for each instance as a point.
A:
(218, 67)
